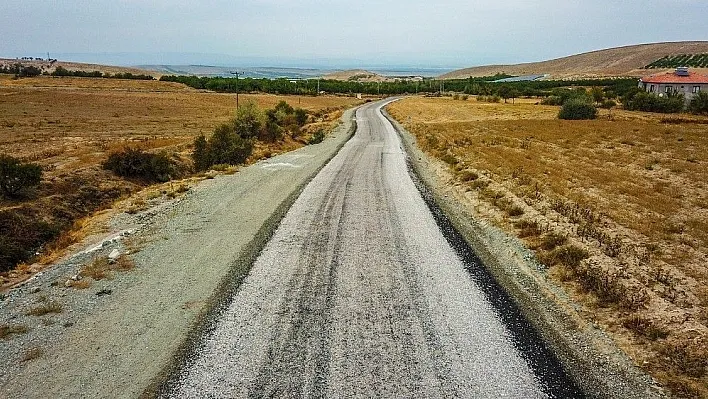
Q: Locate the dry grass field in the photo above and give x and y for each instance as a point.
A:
(616, 207)
(70, 125)
(74, 122)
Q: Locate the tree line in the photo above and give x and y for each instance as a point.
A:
(471, 86)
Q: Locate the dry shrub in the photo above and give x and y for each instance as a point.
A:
(98, 269)
(514, 210)
(123, 263)
(31, 354)
(479, 184)
(79, 284)
(468, 175)
(686, 356)
(553, 240)
(46, 307)
(528, 228)
(569, 255)
(645, 327)
(7, 330)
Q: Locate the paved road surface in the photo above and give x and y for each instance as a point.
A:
(359, 294)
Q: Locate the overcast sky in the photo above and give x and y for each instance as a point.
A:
(455, 33)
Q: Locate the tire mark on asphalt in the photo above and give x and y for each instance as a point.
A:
(309, 300)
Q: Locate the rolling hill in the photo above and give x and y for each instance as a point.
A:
(619, 61)
(78, 66)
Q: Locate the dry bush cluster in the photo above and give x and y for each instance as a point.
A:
(629, 242)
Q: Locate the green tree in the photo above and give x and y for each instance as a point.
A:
(201, 154)
(249, 120)
(16, 176)
(228, 147)
(597, 94)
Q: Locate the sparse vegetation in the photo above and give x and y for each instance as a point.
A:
(233, 142)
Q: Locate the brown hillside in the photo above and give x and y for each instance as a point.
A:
(78, 66)
(620, 61)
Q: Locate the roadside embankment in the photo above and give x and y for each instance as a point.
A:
(588, 355)
(121, 336)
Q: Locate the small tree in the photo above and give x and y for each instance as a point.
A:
(16, 176)
(228, 147)
(249, 120)
(201, 155)
(597, 94)
(577, 108)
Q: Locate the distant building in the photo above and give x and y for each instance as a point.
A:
(681, 81)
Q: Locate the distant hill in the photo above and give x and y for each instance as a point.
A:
(356, 75)
(247, 72)
(78, 66)
(619, 61)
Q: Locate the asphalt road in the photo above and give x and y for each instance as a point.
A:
(359, 293)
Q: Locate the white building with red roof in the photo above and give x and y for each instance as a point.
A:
(681, 81)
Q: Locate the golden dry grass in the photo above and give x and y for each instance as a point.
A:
(69, 126)
(68, 123)
(629, 189)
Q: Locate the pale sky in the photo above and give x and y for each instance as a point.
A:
(335, 33)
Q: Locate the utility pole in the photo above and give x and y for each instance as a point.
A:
(236, 73)
(318, 86)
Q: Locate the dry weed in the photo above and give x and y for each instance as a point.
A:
(31, 354)
(45, 307)
(7, 330)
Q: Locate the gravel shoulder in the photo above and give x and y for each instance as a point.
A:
(120, 337)
(589, 356)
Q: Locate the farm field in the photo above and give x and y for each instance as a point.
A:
(70, 125)
(617, 208)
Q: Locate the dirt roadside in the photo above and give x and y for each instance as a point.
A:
(588, 355)
(119, 337)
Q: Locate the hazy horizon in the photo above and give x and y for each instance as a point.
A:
(306, 34)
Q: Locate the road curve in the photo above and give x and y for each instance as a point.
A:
(360, 294)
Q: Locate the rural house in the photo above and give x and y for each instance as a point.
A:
(681, 81)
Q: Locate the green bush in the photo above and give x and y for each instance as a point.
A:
(22, 233)
(699, 103)
(249, 121)
(137, 164)
(228, 147)
(576, 109)
(318, 137)
(16, 176)
(647, 102)
(552, 100)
